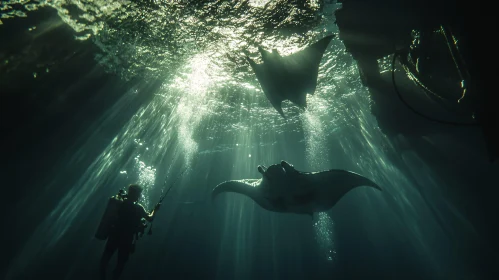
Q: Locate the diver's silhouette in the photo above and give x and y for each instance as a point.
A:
(126, 224)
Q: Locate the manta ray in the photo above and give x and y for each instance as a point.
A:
(284, 189)
(290, 77)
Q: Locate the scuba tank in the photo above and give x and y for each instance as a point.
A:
(109, 215)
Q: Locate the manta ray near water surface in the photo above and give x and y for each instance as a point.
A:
(282, 188)
(290, 77)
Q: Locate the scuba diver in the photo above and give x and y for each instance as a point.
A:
(121, 224)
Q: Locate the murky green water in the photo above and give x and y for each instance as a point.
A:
(210, 114)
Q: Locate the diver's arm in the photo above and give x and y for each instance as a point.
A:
(150, 217)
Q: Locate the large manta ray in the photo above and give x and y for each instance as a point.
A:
(290, 77)
(285, 189)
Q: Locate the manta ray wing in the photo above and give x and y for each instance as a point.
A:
(268, 77)
(290, 77)
(302, 70)
(332, 185)
(248, 187)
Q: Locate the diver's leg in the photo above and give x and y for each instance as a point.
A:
(111, 247)
(123, 254)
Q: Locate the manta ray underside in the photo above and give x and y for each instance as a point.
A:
(290, 77)
(285, 189)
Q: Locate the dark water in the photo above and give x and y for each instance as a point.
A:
(97, 95)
